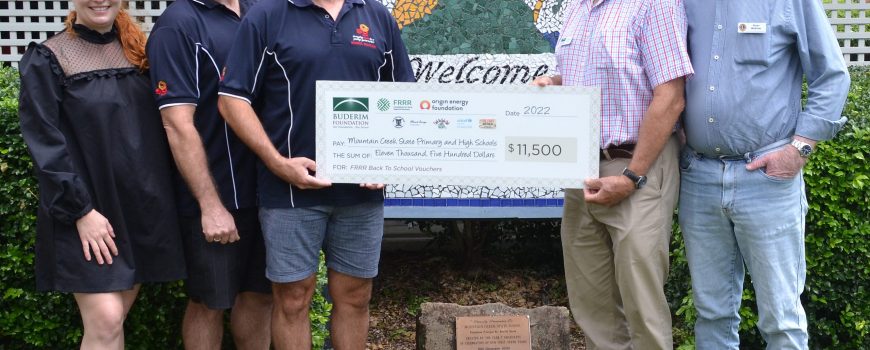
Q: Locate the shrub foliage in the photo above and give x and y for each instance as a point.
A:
(837, 297)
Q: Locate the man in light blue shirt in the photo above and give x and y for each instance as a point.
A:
(742, 194)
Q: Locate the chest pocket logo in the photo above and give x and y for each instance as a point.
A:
(362, 37)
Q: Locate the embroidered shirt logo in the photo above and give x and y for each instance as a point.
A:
(363, 30)
(362, 37)
(161, 88)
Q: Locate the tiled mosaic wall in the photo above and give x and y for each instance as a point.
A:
(510, 40)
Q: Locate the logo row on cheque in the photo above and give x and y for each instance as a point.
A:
(352, 112)
(443, 123)
(361, 104)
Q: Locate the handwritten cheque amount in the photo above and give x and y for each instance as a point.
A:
(465, 135)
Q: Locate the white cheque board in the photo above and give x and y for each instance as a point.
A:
(467, 135)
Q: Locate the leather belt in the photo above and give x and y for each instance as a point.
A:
(621, 151)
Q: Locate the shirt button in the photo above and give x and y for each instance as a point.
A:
(718, 149)
(719, 26)
(712, 88)
(325, 16)
(711, 119)
(716, 57)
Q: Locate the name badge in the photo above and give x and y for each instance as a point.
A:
(564, 40)
(751, 28)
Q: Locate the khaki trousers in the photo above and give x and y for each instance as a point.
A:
(616, 259)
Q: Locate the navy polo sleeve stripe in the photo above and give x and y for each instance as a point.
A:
(167, 105)
(245, 64)
(211, 58)
(174, 72)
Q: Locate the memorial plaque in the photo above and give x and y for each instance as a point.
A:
(493, 333)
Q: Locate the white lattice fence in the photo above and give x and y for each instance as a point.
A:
(851, 21)
(24, 21)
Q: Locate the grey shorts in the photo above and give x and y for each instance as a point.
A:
(349, 236)
(218, 272)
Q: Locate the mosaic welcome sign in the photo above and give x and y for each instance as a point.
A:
(477, 42)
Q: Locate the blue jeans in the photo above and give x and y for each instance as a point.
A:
(732, 217)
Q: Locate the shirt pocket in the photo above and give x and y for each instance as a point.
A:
(753, 48)
(615, 49)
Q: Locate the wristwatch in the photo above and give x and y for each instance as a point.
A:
(803, 148)
(639, 180)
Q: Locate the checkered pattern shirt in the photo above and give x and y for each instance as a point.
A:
(627, 48)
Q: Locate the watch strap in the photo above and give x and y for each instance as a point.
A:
(803, 148)
(639, 180)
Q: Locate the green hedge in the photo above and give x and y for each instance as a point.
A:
(837, 296)
(31, 320)
(838, 229)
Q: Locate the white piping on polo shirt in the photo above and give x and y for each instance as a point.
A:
(256, 76)
(235, 96)
(226, 133)
(260, 66)
(385, 63)
(294, 3)
(176, 104)
(289, 106)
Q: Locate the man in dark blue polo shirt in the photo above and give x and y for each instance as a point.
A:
(282, 48)
(224, 247)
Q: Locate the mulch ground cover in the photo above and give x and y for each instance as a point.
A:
(408, 279)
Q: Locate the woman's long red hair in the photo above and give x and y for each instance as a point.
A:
(129, 34)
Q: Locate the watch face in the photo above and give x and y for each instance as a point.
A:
(806, 150)
(641, 181)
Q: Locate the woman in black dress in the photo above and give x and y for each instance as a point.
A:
(106, 219)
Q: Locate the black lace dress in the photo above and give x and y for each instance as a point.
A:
(97, 142)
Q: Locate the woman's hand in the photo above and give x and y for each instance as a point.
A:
(97, 235)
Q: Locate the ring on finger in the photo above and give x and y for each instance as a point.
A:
(217, 239)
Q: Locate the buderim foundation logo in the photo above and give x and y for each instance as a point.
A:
(350, 104)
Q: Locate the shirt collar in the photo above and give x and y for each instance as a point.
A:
(305, 3)
(207, 3)
(94, 36)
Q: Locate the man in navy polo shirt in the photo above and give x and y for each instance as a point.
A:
(224, 247)
(281, 49)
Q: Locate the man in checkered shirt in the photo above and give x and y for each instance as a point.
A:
(616, 231)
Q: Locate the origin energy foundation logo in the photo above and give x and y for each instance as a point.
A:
(350, 104)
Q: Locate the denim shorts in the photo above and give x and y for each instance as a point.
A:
(350, 237)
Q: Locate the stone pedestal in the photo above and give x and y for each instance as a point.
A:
(436, 326)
